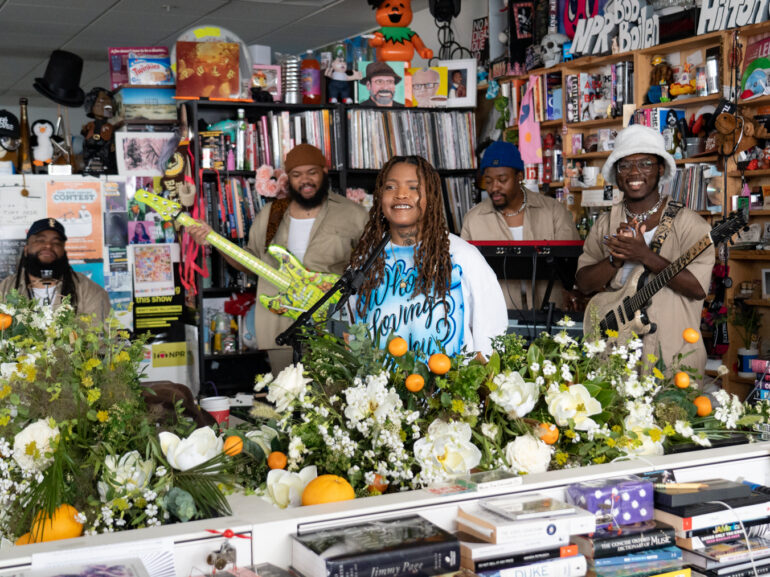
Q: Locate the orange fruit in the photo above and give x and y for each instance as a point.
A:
(703, 403)
(61, 525)
(549, 433)
(690, 335)
(5, 321)
(439, 364)
(380, 484)
(327, 489)
(25, 539)
(414, 383)
(277, 460)
(398, 347)
(233, 446)
(682, 380)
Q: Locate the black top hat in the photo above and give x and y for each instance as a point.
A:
(61, 82)
(379, 69)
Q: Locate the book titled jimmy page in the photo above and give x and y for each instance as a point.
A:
(384, 548)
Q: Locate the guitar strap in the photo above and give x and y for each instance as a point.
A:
(664, 226)
(277, 210)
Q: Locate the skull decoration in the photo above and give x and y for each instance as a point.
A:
(551, 48)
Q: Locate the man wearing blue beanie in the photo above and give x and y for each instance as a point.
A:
(514, 213)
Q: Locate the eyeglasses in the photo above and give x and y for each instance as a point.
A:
(644, 165)
(426, 86)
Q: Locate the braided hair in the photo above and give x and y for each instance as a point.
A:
(431, 253)
(68, 280)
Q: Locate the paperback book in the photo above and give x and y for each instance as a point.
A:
(564, 567)
(723, 533)
(692, 517)
(672, 553)
(730, 553)
(744, 569)
(641, 537)
(667, 568)
(405, 545)
(473, 556)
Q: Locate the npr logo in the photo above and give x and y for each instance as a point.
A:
(169, 355)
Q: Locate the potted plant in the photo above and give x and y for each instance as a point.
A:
(747, 320)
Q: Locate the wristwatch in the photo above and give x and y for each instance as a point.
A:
(613, 261)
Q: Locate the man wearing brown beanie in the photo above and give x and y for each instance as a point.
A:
(319, 228)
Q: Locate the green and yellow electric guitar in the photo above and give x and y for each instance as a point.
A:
(298, 287)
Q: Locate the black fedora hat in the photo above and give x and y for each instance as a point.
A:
(61, 82)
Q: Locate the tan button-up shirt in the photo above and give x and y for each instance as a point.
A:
(670, 311)
(336, 231)
(544, 219)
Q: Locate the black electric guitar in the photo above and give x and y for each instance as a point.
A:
(624, 311)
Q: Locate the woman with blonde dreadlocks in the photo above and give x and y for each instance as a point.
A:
(428, 286)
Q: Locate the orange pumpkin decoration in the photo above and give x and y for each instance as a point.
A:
(398, 347)
(5, 321)
(682, 380)
(549, 433)
(277, 460)
(395, 40)
(414, 383)
(61, 525)
(327, 489)
(379, 485)
(439, 364)
(703, 404)
(233, 446)
(690, 335)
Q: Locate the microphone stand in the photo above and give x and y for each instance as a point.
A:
(348, 284)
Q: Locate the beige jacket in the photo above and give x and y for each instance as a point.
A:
(92, 299)
(670, 311)
(335, 233)
(544, 219)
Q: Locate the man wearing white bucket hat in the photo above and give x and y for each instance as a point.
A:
(646, 229)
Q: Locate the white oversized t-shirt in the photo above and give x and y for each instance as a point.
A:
(299, 236)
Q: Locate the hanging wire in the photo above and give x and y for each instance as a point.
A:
(449, 49)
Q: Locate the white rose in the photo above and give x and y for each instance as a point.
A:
(526, 454)
(127, 474)
(32, 446)
(514, 394)
(263, 437)
(287, 386)
(8, 370)
(183, 454)
(284, 489)
(575, 403)
(446, 449)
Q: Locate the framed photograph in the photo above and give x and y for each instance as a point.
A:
(381, 84)
(140, 153)
(766, 283)
(267, 77)
(461, 82)
(429, 86)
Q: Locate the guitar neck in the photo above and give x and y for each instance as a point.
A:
(660, 280)
(245, 258)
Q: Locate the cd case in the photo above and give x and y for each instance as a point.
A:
(488, 480)
(527, 507)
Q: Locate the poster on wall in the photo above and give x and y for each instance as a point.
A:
(10, 253)
(154, 269)
(78, 206)
(18, 212)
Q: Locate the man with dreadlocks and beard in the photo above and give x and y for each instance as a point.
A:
(45, 274)
(428, 286)
(319, 228)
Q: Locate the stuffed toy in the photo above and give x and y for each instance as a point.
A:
(339, 87)
(661, 77)
(395, 40)
(99, 146)
(42, 145)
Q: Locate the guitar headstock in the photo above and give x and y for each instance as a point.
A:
(727, 227)
(167, 209)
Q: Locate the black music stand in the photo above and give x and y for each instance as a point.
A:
(533, 261)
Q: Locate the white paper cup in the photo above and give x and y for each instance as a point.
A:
(590, 173)
(219, 408)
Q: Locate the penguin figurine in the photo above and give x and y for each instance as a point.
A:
(42, 147)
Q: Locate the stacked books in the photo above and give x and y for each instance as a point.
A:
(408, 545)
(522, 537)
(707, 519)
(647, 548)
